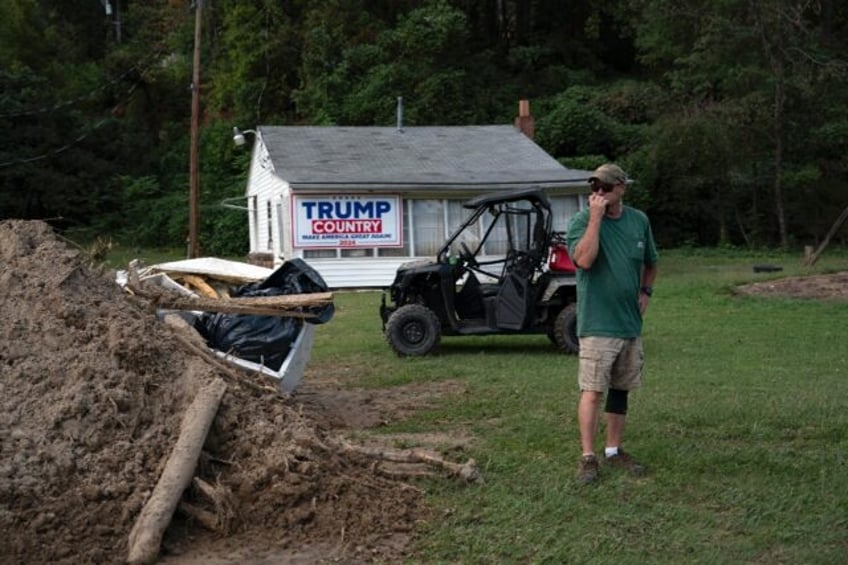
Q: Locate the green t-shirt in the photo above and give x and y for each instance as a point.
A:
(608, 292)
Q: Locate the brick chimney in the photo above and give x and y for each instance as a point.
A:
(525, 122)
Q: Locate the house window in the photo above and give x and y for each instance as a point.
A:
(320, 254)
(563, 208)
(399, 251)
(358, 252)
(254, 216)
(496, 242)
(511, 231)
(428, 218)
(456, 216)
(269, 244)
(280, 226)
(333, 253)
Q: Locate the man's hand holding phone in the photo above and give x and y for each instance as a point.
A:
(597, 205)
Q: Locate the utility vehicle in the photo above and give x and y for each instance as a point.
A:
(503, 271)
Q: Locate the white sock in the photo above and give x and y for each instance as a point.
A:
(610, 451)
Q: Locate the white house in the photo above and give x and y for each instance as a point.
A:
(356, 202)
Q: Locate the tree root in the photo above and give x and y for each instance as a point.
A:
(224, 519)
(468, 471)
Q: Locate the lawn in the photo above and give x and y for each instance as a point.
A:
(742, 422)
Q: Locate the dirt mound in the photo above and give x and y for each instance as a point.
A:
(820, 287)
(93, 390)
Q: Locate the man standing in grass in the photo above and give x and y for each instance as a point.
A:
(613, 248)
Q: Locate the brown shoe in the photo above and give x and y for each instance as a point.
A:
(625, 461)
(588, 469)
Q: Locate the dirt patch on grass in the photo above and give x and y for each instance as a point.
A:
(92, 392)
(820, 287)
(337, 405)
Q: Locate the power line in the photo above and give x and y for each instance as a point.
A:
(45, 109)
(56, 151)
(71, 143)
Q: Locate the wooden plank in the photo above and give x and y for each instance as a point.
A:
(285, 305)
(201, 285)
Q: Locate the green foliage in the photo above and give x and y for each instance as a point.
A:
(749, 66)
(333, 34)
(253, 61)
(584, 121)
(223, 231)
(151, 217)
(575, 127)
(156, 210)
(711, 106)
(585, 162)
(692, 158)
(832, 138)
(634, 102)
(420, 59)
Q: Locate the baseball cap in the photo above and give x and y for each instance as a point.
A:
(610, 174)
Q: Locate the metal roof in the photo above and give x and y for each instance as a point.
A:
(442, 157)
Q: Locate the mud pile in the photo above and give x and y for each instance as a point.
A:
(93, 389)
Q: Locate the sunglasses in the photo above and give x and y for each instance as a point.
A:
(598, 185)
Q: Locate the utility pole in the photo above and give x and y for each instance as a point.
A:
(107, 7)
(118, 21)
(194, 159)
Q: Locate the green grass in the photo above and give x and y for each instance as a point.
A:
(742, 421)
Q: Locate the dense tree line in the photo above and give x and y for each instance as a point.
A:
(731, 115)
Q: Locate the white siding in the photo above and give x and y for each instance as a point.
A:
(358, 273)
(263, 184)
(286, 249)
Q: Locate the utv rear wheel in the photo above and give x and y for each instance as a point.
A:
(565, 330)
(413, 330)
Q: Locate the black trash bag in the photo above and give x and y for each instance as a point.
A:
(266, 339)
(296, 277)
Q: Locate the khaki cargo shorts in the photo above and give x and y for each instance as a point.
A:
(610, 362)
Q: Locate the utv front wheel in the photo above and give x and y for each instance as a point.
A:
(413, 330)
(565, 330)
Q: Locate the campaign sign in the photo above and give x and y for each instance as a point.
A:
(350, 220)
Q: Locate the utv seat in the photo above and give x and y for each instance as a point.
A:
(469, 300)
(489, 289)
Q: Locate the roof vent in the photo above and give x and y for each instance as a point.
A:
(400, 113)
